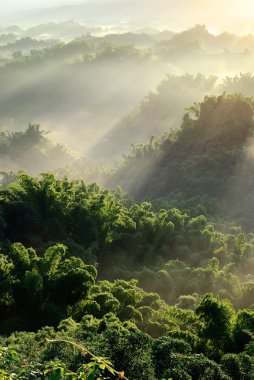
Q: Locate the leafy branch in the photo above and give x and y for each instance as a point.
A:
(103, 363)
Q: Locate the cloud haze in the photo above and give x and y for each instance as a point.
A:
(235, 16)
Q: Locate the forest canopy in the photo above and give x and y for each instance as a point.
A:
(77, 231)
(126, 198)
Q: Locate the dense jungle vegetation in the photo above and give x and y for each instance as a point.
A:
(59, 75)
(162, 287)
(208, 159)
(118, 263)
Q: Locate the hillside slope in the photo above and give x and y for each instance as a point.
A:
(210, 155)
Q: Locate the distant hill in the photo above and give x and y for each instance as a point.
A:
(175, 15)
(101, 94)
(162, 110)
(209, 156)
(107, 11)
(32, 151)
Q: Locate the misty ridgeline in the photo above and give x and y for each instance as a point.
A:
(126, 201)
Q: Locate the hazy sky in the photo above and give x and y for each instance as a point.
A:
(19, 4)
(231, 15)
(12, 5)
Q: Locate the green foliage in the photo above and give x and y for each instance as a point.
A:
(217, 329)
(41, 288)
(56, 370)
(243, 329)
(172, 253)
(17, 148)
(191, 162)
(164, 350)
(174, 294)
(238, 366)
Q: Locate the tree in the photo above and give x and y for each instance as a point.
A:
(243, 329)
(216, 333)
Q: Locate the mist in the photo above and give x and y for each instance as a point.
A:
(126, 189)
(176, 16)
(60, 74)
(110, 85)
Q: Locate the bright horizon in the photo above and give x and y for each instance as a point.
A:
(235, 16)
